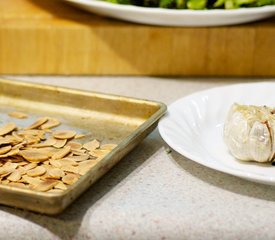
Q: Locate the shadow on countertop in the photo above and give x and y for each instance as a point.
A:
(225, 181)
(67, 224)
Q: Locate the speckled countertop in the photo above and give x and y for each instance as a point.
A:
(151, 194)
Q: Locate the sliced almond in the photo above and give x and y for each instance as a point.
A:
(69, 168)
(60, 185)
(52, 122)
(99, 153)
(31, 139)
(44, 185)
(60, 143)
(18, 138)
(30, 166)
(55, 173)
(48, 143)
(4, 150)
(92, 145)
(79, 152)
(66, 161)
(14, 176)
(78, 136)
(85, 166)
(64, 134)
(10, 153)
(34, 155)
(37, 123)
(5, 182)
(22, 170)
(61, 153)
(7, 128)
(74, 145)
(38, 171)
(78, 158)
(19, 115)
(55, 163)
(31, 180)
(20, 145)
(69, 179)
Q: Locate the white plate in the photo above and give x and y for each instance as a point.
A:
(170, 17)
(193, 127)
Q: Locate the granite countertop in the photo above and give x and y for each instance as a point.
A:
(152, 194)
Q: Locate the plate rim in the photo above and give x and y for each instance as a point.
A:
(234, 172)
(176, 12)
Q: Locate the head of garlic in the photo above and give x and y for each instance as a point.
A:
(249, 132)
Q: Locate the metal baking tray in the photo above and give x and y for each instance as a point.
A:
(111, 119)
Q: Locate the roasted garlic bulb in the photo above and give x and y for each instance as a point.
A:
(249, 132)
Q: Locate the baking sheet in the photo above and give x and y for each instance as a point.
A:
(111, 119)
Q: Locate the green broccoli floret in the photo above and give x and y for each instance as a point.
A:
(196, 4)
(167, 4)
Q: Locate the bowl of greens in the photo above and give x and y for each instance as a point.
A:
(198, 13)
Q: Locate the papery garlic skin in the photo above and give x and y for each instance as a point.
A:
(249, 133)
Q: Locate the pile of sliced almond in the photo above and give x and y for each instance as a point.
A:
(41, 159)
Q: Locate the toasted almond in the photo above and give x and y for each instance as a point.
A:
(4, 150)
(5, 182)
(48, 143)
(19, 115)
(15, 176)
(34, 155)
(61, 153)
(78, 136)
(60, 143)
(37, 123)
(60, 185)
(92, 145)
(74, 145)
(66, 161)
(34, 132)
(85, 166)
(69, 168)
(79, 152)
(55, 173)
(52, 122)
(38, 171)
(31, 139)
(50, 150)
(64, 134)
(31, 180)
(78, 158)
(99, 153)
(30, 166)
(21, 162)
(20, 145)
(10, 153)
(7, 128)
(22, 170)
(69, 179)
(45, 185)
(18, 138)
(4, 141)
(55, 163)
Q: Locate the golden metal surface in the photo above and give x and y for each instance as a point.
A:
(111, 119)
